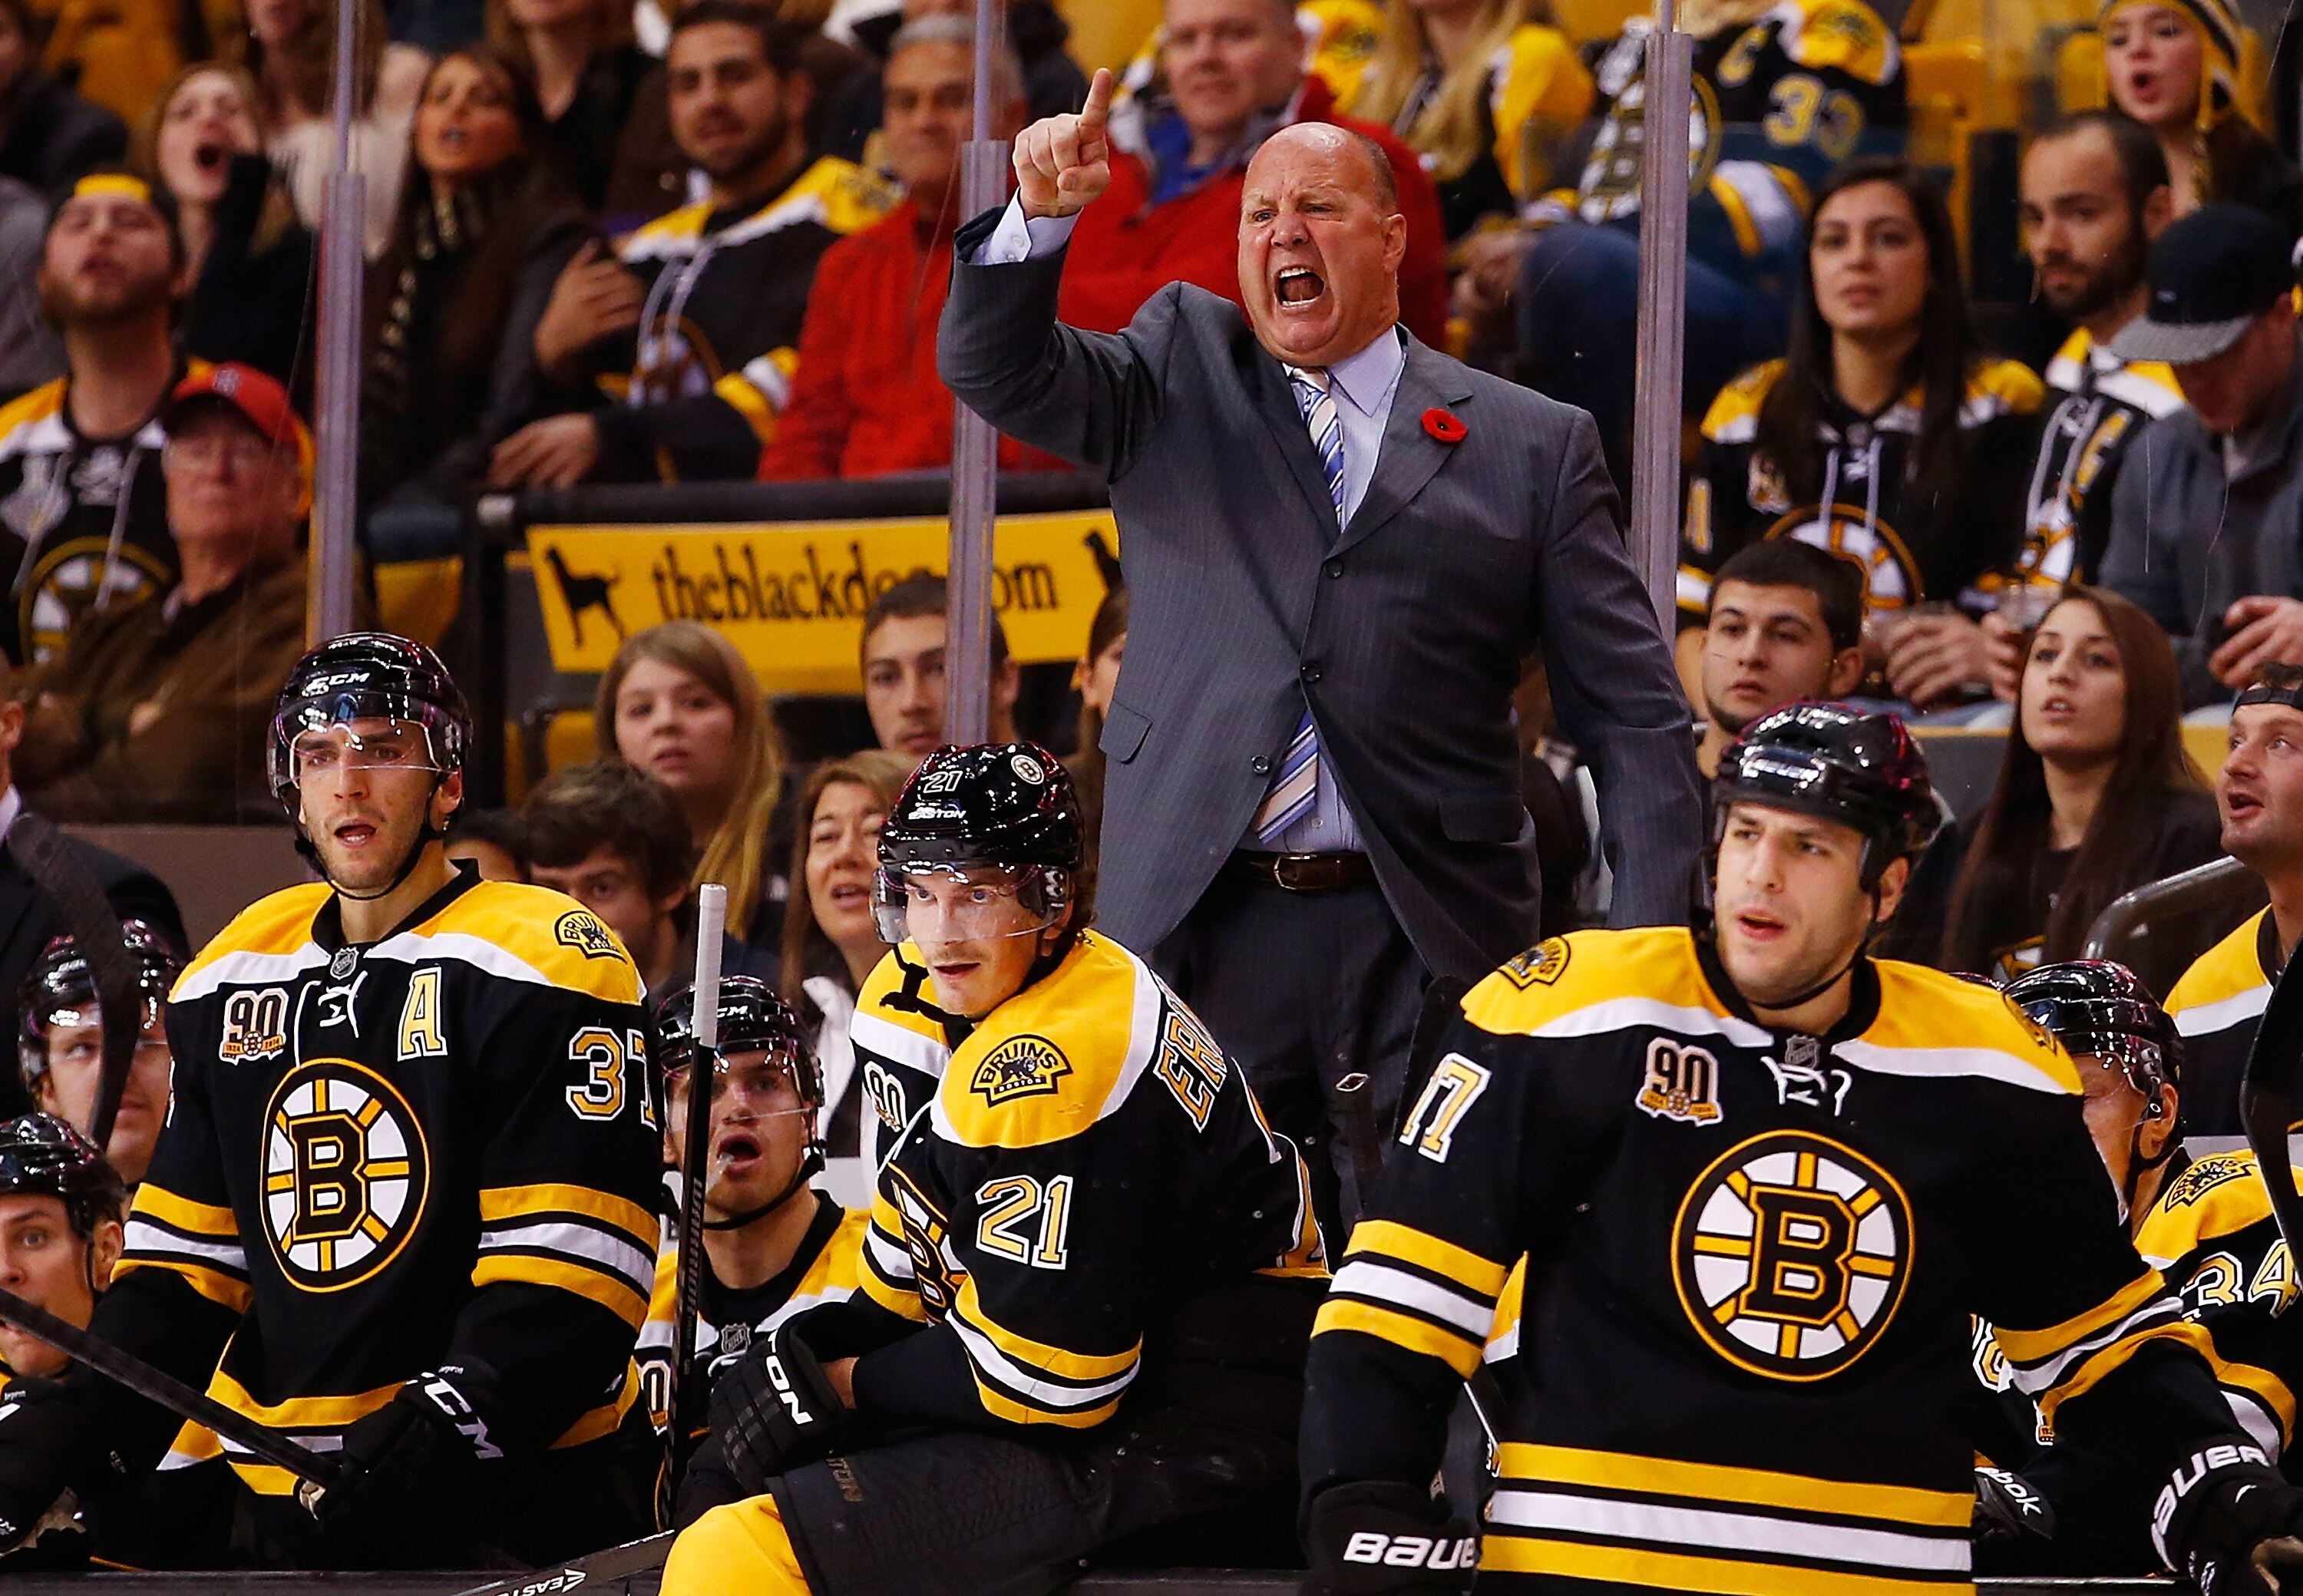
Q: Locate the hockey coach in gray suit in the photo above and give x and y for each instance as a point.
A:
(1339, 545)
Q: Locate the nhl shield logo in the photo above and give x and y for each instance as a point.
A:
(1790, 1253)
(1019, 1067)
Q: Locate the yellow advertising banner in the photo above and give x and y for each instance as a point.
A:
(791, 597)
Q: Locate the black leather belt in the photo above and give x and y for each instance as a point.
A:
(1303, 872)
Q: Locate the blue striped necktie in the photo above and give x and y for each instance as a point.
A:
(1294, 791)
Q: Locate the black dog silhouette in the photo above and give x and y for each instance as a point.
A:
(584, 593)
(1107, 563)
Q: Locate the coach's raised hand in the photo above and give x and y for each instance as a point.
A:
(1062, 162)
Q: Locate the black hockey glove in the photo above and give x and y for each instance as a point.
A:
(2229, 1519)
(1379, 1538)
(2010, 1510)
(410, 1460)
(774, 1409)
(47, 1446)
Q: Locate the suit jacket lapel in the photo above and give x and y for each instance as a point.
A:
(1411, 456)
(1275, 401)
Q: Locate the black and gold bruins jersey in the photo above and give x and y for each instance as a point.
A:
(1075, 1182)
(2101, 402)
(1779, 100)
(726, 1321)
(1869, 511)
(433, 1152)
(2217, 1008)
(2210, 1234)
(1751, 1259)
(695, 393)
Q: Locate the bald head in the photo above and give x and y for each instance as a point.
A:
(1321, 240)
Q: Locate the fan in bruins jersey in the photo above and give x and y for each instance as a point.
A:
(1761, 1180)
(1886, 435)
(402, 1206)
(1091, 1267)
(774, 1246)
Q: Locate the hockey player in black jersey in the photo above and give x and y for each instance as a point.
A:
(403, 1206)
(1760, 1180)
(1091, 1265)
(60, 1044)
(61, 1208)
(774, 1246)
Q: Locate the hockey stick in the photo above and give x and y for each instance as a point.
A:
(45, 853)
(617, 1562)
(127, 1369)
(710, 926)
(2267, 1099)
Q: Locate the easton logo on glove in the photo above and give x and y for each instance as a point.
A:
(1442, 1552)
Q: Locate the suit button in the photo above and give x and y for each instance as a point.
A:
(1259, 766)
(1332, 568)
(1311, 672)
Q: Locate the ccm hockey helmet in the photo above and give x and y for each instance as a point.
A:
(1863, 770)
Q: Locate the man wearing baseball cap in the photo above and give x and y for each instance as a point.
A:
(157, 710)
(83, 523)
(2203, 520)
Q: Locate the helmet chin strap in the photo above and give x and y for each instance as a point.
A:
(1797, 999)
(809, 1164)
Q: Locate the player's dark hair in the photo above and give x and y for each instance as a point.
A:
(575, 810)
(780, 43)
(1787, 563)
(1946, 355)
(497, 828)
(923, 593)
(2142, 163)
(2149, 771)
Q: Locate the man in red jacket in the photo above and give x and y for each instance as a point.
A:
(1232, 74)
(865, 400)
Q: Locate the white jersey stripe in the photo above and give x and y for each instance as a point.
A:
(1361, 1278)
(1719, 1530)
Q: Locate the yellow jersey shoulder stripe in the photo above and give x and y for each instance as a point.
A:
(1057, 1057)
(1733, 417)
(1845, 35)
(32, 423)
(1587, 983)
(2216, 1196)
(2002, 387)
(270, 940)
(1931, 1024)
(523, 933)
(674, 232)
(2224, 985)
(891, 1028)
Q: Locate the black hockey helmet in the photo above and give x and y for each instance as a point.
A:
(1827, 760)
(368, 676)
(2098, 1008)
(1005, 805)
(752, 1018)
(40, 1155)
(61, 990)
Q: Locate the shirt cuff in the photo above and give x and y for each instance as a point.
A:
(1018, 237)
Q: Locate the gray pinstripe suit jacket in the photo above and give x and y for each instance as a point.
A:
(1405, 632)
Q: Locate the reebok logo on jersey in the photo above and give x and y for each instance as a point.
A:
(1438, 1552)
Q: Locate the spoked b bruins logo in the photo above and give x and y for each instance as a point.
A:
(1790, 1253)
(345, 1173)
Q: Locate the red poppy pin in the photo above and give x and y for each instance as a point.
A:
(1444, 427)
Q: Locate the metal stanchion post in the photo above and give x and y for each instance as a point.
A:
(336, 507)
(1665, 92)
(974, 451)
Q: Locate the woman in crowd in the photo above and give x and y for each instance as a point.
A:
(288, 49)
(1886, 434)
(679, 702)
(831, 942)
(2175, 66)
(2095, 795)
(585, 67)
(483, 229)
(248, 259)
(1483, 90)
(1094, 679)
